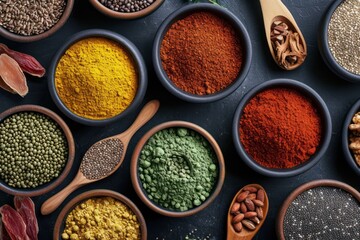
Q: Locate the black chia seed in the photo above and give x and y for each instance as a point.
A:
(126, 6)
(30, 17)
(323, 213)
(101, 158)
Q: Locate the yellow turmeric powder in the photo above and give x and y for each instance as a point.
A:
(102, 218)
(96, 78)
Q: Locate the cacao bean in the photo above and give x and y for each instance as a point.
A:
(236, 213)
(241, 197)
(260, 213)
(248, 224)
(255, 220)
(257, 203)
(260, 195)
(250, 214)
(238, 218)
(243, 207)
(250, 189)
(235, 207)
(237, 227)
(249, 204)
(252, 196)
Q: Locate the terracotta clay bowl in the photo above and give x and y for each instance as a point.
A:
(303, 188)
(349, 157)
(137, 182)
(323, 42)
(139, 66)
(121, 15)
(21, 38)
(96, 193)
(182, 13)
(40, 190)
(325, 123)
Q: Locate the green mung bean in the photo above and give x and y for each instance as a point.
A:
(177, 169)
(33, 150)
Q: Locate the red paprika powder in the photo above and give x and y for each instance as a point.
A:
(201, 54)
(280, 128)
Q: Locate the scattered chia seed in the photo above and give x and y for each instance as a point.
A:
(126, 6)
(102, 158)
(33, 150)
(30, 17)
(344, 35)
(323, 213)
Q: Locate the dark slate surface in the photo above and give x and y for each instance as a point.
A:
(215, 117)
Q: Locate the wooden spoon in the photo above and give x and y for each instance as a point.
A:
(245, 234)
(144, 116)
(275, 10)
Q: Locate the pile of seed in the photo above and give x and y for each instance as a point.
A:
(323, 213)
(102, 158)
(30, 17)
(33, 150)
(126, 6)
(344, 35)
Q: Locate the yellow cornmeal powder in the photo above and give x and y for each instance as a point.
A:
(101, 219)
(96, 78)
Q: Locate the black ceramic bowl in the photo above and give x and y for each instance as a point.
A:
(326, 131)
(345, 137)
(44, 188)
(182, 13)
(21, 38)
(126, 44)
(326, 54)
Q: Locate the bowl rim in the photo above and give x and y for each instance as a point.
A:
(46, 187)
(138, 63)
(22, 38)
(134, 167)
(127, 16)
(243, 35)
(304, 187)
(345, 137)
(96, 193)
(323, 42)
(324, 114)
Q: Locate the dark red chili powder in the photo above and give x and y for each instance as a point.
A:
(201, 54)
(280, 128)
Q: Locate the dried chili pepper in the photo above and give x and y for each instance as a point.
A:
(27, 63)
(26, 208)
(12, 75)
(13, 223)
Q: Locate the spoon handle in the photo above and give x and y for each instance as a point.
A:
(144, 116)
(54, 202)
(272, 9)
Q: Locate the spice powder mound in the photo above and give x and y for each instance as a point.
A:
(102, 158)
(323, 213)
(201, 54)
(280, 128)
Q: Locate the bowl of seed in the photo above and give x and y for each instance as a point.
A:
(130, 9)
(28, 21)
(177, 169)
(97, 77)
(202, 53)
(100, 214)
(350, 138)
(320, 209)
(339, 41)
(36, 150)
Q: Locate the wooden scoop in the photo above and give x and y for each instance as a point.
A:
(144, 116)
(275, 10)
(245, 234)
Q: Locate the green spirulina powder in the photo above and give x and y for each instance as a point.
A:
(178, 169)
